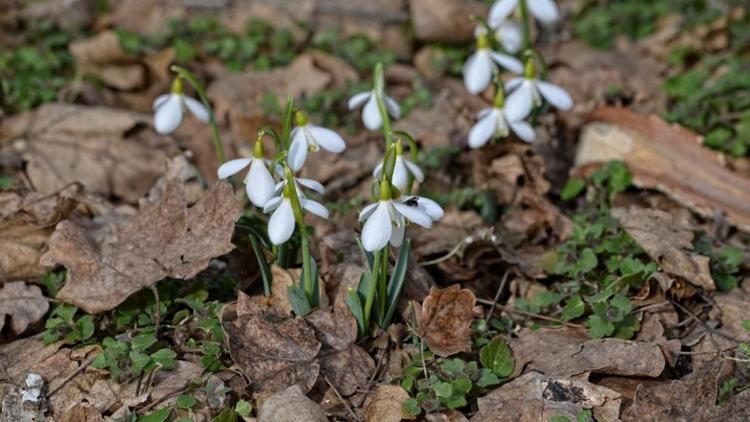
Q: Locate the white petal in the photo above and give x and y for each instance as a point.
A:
(555, 95)
(377, 229)
(272, 204)
(523, 130)
(197, 108)
(358, 99)
(400, 175)
(392, 106)
(510, 36)
(431, 208)
(544, 10)
(397, 235)
(169, 115)
(483, 131)
(413, 214)
(311, 184)
(315, 207)
(160, 100)
(367, 211)
(500, 11)
(520, 102)
(279, 187)
(297, 151)
(513, 84)
(259, 183)
(371, 114)
(478, 71)
(377, 171)
(231, 167)
(327, 139)
(281, 223)
(508, 62)
(483, 112)
(415, 170)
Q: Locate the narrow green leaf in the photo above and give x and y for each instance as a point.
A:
(355, 305)
(298, 300)
(396, 283)
(265, 269)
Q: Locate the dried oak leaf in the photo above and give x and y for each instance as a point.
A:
(668, 241)
(165, 239)
(25, 305)
(534, 397)
(273, 350)
(445, 321)
(102, 56)
(347, 366)
(96, 146)
(385, 404)
(692, 398)
(26, 222)
(567, 352)
(291, 405)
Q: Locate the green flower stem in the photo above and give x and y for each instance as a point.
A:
(379, 92)
(383, 285)
(526, 24)
(215, 134)
(370, 299)
(307, 282)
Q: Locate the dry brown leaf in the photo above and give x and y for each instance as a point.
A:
(668, 242)
(82, 413)
(165, 239)
(385, 404)
(282, 279)
(441, 125)
(692, 398)
(66, 143)
(24, 304)
(567, 351)
(103, 57)
(445, 20)
(26, 222)
(291, 405)
(661, 156)
(273, 350)
(445, 321)
(534, 397)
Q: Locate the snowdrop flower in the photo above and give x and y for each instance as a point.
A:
(385, 220)
(370, 113)
(259, 184)
(508, 33)
(168, 109)
(308, 137)
(528, 92)
(480, 66)
(282, 221)
(544, 10)
(401, 170)
(494, 122)
(311, 184)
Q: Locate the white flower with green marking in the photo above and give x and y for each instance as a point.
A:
(483, 64)
(309, 137)
(259, 184)
(282, 222)
(401, 170)
(169, 108)
(528, 92)
(370, 113)
(545, 11)
(494, 123)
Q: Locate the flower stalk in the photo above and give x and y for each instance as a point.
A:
(526, 23)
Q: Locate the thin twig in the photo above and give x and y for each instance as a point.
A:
(344, 402)
(703, 323)
(529, 314)
(445, 257)
(73, 374)
(157, 310)
(497, 296)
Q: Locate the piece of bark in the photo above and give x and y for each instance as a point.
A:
(667, 158)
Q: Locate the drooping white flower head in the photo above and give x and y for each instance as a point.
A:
(482, 64)
(528, 92)
(259, 184)
(370, 113)
(385, 220)
(309, 137)
(168, 109)
(508, 33)
(299, 182)
(545, 11)
(401, 170)
(282, 222)
(494, 123)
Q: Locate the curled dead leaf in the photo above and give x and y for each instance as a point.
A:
(291, 405)
(24, 304)
(667, 241)
(445, 321)
(103, 57)
(385, 405)
(165, 239)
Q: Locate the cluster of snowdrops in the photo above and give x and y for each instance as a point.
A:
(272, 184)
